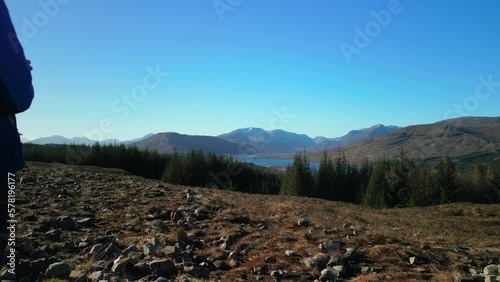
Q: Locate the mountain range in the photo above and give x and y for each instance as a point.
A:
(58, 139)
(465, 139)
(251, 140)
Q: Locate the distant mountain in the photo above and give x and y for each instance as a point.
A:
(464, 139)
(171, 141)
(367, 133)
(320, 139)
(254, 140)
(355, 136)
(138, 139)
(58, 139)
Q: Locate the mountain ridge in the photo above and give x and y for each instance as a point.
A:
(461, 138)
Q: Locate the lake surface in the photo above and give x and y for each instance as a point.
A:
(267, 160)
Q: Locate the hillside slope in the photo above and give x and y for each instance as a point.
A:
(257, 140)
(170, 141)
(132, 228)
(465, 139)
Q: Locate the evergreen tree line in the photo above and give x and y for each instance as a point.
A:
(403, 182)
(191, 169)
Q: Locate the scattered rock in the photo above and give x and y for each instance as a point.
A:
(112, 250)
(130, 249)
(490, 278)
(328, 274)
(270, 260)
(66, 223)
(120, 264)
(86, 222)
(197, 272)
(413, 260)
(54, 235)
(291, 253)
(221, 265)
(148, 249)
(163, 267)
(330, 245)
(303, 222)
(171, 251)
(59, 270)
(491, 269)
(318, 261)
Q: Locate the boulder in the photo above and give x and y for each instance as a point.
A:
(330, 245)
(163, 267)
(59, 270)
(328, 274)
(491, 269)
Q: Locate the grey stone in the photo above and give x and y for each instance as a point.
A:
(156, 243)
(112, 250)
(491, 269)
(197, 272)
(221, 265)
(66, 223)
(148, 249)
(59, 270)
(413, 260)
(270, 260)
(171, 251)
(318, 261)
(275, 273)
(365, 269)
(86, 222)
(328, 274)
(96, 275)
(490, 278)
(233, 255)
(129, 249)
(291, 253)
(54, 235)
(330, 245)
(97, 250)
(339, 269)
(303, 222)
(120, 264)
(135, 255)
(163, 267)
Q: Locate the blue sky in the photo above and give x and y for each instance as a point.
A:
(269, 64)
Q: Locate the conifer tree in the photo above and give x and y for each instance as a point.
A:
(325, 178)
(375, 195)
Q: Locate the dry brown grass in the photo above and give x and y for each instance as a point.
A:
(443, 235)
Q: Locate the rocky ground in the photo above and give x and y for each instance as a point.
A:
(95, 224)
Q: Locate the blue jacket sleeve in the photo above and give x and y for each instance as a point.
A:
(16, 88)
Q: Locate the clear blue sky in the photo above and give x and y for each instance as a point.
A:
(258, 58)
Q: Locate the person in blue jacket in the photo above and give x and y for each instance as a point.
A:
(16, 95)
